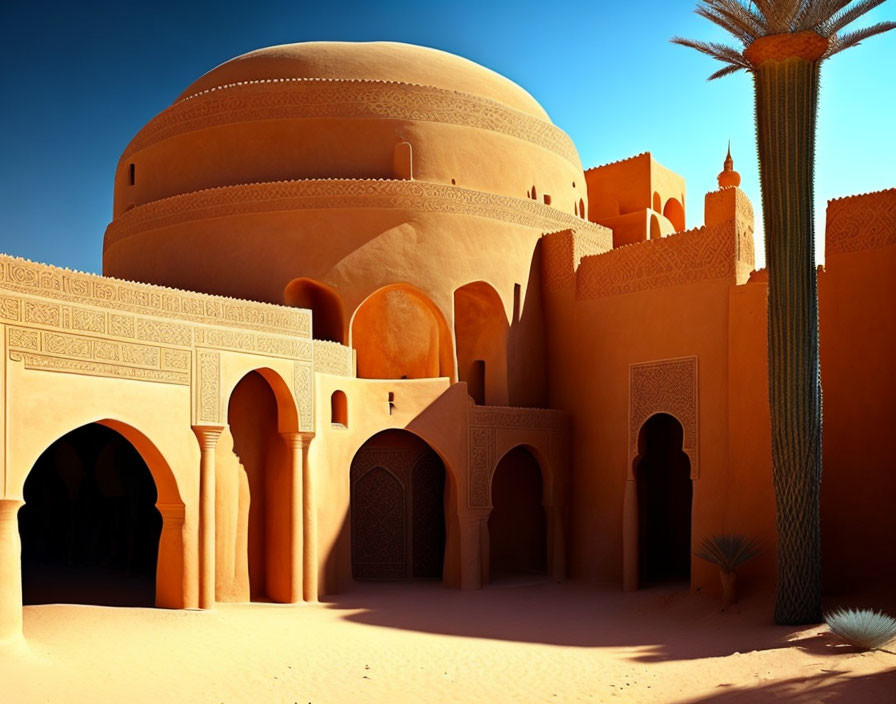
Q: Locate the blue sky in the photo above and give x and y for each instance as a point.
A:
(81, 78)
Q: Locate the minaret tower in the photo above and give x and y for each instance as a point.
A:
(729, 177)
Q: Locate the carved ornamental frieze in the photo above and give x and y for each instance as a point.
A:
(665, 386)
(487, 422)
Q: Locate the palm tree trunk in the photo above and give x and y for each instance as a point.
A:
(786, 109)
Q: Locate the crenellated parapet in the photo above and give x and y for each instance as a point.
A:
(861, 222)
(562, 252)
(721, 249)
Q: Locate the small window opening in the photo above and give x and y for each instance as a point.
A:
(339, 409)
(132, 172)
(582, 208)
(391, 402)
(517, 292)
(547, 199)
(534, 194)
(453, 182)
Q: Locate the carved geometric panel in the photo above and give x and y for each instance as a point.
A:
(209, 392)
(665, 386)
(379, 526)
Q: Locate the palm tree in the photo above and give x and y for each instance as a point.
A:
(784, 45)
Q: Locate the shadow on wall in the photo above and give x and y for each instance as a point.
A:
(526, 353)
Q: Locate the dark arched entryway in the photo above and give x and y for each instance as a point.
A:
(663, 474)
(89, 527)
(397, 509)
(517, 526)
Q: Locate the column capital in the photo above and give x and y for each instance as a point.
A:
(297, 441)
(208, 435)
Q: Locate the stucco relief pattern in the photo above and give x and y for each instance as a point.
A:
(208, 395)
(564, 250)
(303, 390)
(349, 99)
(253, 342)
(316, 194)
(484, 423)
(861, 222)
(697, 255)
(63, 352)
(333, 358)
(665, 386)
(22, 276)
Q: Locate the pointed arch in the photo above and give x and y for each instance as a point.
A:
(104, 492)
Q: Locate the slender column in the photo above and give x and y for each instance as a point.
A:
(630, 536)
(296, 444)
(207, 435)
(309, 519)
(10, 570)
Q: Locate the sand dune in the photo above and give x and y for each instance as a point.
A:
(512, 642)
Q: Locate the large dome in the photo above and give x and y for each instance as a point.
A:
(371, 61)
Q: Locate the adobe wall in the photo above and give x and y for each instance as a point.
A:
(647, 310)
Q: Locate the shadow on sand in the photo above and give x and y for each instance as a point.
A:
(829, 686)
(659, 624)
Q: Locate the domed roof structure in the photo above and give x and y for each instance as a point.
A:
(369, 61)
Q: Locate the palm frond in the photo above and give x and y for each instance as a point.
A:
(731, 68)
(733, 27)
(745, 18)
(722, 52)
(847, 15)
(817, 12)
(841, 42)
(778, 14)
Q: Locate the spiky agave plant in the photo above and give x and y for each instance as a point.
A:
(784, 45)
(862, 628)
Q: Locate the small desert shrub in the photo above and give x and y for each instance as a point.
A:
(728, 551)
(863, 628)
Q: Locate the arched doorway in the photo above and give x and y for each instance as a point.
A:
(663, 475)
(89, 527)
(324, 304)
(253, 491)
(480, 329)
(399, 333)
(397, 509)
(517, 526)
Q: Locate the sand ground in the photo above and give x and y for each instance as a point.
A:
(512, 642)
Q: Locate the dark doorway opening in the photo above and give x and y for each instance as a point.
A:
(397, 509)
(663, 474)
(89, 527)
(517, 526)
